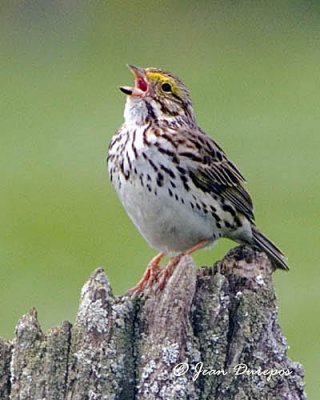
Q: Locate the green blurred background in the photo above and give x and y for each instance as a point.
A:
(253, 71)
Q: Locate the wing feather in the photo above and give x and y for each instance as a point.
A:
(212, 172)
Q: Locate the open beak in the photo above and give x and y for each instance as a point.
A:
(141, 84)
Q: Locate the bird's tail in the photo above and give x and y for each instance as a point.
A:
(263, 243)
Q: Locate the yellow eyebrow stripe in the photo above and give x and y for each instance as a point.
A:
(158, 76)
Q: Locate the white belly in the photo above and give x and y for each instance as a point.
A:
(168, 224)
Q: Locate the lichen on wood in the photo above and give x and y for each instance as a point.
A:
(211, 333)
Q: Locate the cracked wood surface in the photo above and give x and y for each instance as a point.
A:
(193, 340)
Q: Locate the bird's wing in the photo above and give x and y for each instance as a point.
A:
(212, 172)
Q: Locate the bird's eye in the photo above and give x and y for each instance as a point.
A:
(166, 87)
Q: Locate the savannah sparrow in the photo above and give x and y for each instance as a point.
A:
(175, 182)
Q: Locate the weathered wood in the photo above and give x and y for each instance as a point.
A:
(210, 334)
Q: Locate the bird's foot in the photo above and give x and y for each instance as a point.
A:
(167, 271)
(155, 273)
(149, 276)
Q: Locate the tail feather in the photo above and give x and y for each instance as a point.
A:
(263, 243)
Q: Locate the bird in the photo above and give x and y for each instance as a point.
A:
(175, 182)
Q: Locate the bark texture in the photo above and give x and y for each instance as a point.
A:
(211, 333)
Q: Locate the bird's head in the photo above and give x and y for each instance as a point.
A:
(164, 92)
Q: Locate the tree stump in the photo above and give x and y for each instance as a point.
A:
(211, 333)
